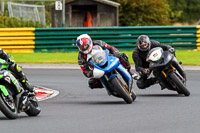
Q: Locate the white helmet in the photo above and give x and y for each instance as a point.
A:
(84, 43)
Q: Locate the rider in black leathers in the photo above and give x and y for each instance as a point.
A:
(85, 44)
(144, 44)
(16, 69)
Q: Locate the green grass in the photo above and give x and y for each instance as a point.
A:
(187, 57)
(70, 58)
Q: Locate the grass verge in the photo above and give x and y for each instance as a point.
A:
(187, 57)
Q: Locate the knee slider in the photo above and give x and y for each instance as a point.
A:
(91, 83)
(140, 85)
(16, 68)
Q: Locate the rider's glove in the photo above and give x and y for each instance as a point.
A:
(146, 71)
(171, 50)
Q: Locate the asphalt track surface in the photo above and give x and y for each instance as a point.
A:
(78, 109)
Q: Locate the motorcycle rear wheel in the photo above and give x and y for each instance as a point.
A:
(180, 85)
(34, 109)
(121, 91)
(8, 108)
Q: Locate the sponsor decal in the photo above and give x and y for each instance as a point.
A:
(7, 79)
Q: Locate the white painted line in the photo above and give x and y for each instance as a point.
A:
(76, 66)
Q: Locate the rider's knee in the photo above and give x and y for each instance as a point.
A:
(94, 83)
(15, 68)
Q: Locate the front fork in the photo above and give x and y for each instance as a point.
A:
(176, 68)
(173, 69)
(165, 74)
(127, 85)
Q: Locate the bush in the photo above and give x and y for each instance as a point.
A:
(185, 10)
(143, 12)
(7, 22)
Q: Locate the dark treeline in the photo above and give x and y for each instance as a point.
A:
(131, 13)
(158, 12)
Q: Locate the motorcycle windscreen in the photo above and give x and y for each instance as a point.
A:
(98, 56)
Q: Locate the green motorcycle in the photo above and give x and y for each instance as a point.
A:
(13, 97)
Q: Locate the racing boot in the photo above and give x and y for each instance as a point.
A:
(134, 75)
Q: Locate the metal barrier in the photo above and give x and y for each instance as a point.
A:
(17, 40)
(124, 38)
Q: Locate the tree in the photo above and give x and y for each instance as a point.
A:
(143, 12)
(29, 23)
(185, 10)
(191, 12)
(177, 7)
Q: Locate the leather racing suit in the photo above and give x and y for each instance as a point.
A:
(87, 67)
(16, 69)
(139, 57)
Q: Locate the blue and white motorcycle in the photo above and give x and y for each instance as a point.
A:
(112, 74)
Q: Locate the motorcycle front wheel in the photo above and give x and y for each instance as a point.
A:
(7, 107)
(180, 85)
(123, 92)
(133, 95)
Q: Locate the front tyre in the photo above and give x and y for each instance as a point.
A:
(133, 95)
(7, 107)
(123, 92)
(180, 85)
(34, 109)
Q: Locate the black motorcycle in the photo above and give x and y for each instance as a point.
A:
(13, 98)
(169, 69)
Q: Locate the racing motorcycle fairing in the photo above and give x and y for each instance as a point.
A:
(167, 70)
(110, 65)
(159, 58)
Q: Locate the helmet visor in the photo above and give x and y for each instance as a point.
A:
(86, 46)
(144, 45)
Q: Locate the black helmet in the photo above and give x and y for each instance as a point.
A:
(143, 43)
